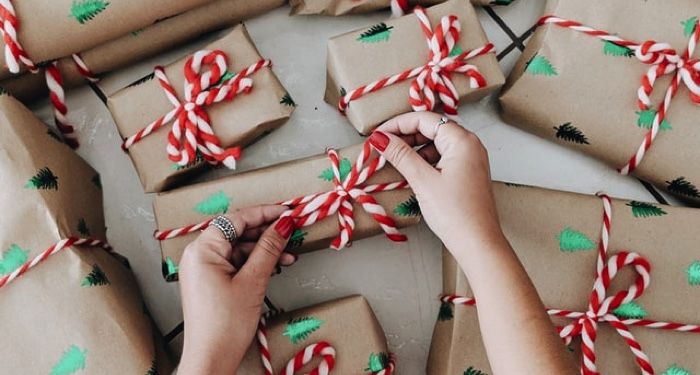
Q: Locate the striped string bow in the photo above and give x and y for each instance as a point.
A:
(601, 306)
(322, 349)
(663, 60)
(432, 82)
(312, 208)
(206, 83)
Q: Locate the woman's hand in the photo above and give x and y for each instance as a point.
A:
(223, 286)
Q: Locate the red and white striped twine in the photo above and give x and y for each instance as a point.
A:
(191, 130)
(55, 248)
(601, 306)
(312, 208)
(433, 81)
(399, 7)
(664, 60)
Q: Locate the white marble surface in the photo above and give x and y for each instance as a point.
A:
(401, 281)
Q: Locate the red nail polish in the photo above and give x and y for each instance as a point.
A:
(379, 140)
(285, 227)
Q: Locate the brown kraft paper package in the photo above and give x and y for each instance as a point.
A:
(353, 63)
(534, 221)
(196, 203)
(339, 7)
(584, 95)
(348, 324)
(238, 122)
(50, 30)
(80, 308)
(138, 45)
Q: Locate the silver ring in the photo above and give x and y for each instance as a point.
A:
(443, 120)
(224, 224)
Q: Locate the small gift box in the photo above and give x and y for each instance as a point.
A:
(415, 62)
(67, 303)
(340, 7)
(642, 258)
(578, 83)
(341, 336)
(212, 102)
(346, 195)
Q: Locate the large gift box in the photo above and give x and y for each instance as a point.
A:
(339, 7)
(322, 221)
(390, 68)
(236, 121)
(607, 89)
(343, 334)
(557, 236)
(79, 307)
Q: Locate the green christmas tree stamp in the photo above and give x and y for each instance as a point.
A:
(72, 361)
(630, 310)
(676, 370)
(643, 209)
(344, 167)
(12, 259)
(296, 240)
(473, 371)
(570, 133)
(681, 186)
(97, 181)
(445, 313)
(377, 362)
(198, 158)
(44, 179)
(288, 101)
(614, 49)
(153, 370)
(83, 228)
(96, 277)
(645, 120)
(571, 240)
(217, 203)
(456, 51)
(693, 273)
(142, 80)
(85, 10)
(377, 33)
(170, 269)
(408, 208)
(299, 329)
(540, 65)
(689, 26)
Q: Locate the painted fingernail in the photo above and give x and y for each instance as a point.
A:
(379, 140)
(285, 227)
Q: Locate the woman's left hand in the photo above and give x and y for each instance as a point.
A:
(223, 286)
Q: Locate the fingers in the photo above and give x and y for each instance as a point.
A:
(267, 252)
(242, 250)
(403, 158)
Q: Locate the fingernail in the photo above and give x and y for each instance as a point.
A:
(285, 227)
(379, 140)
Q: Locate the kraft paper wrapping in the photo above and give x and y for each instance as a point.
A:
(532, 220)
(163, 35)
(52, 29)
(53, 318)
(340, 7)
(196, 203)
(348, 324)
(596, 93)
(353, 63)
(238, 122)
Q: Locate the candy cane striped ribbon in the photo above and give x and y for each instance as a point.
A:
(433, 81)
(399, 7)
(664, 60)
(55, 248)
(191, 130)
(601, 307)
(309, 209)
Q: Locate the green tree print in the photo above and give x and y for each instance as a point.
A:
(96, 277)
(570, 133)
(53, 135)
(408, 208)
(614, 49)
(170, 269)
(681, 186)
(472, 371)
(44, 179)
(299, 329)
(445, 313)
(689, 26)
(646, 120)
(217, 203)
(296, 240)
(571, 240)
(377, 33)
(675, 370)
(12, 259)
(142, 80)
(83, 228)
(643, 209)
(344, 168)
(456, 51)
(540, 65)
(97, 181)
(630, 310)
(86, 10)
(288, 101)
(198, 158)
(72, 360)
(377, 362)
(153, 370)
(693, 272)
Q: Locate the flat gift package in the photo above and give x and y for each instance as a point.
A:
(67, 303)
(378, 72)
(312, 193)
(247, 102)
(138, 45)
(620, 82)
(342, 335)
(340, 7)
(557, 236)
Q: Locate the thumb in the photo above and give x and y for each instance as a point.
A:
(403, 157)
(267, 251)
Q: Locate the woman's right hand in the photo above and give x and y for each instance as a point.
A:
(450, 175)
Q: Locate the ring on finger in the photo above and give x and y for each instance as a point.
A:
(443, 120)
(225, 226)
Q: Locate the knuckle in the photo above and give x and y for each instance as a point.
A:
(271, 245)
(398, 153)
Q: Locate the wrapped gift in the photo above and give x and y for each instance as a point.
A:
(342, 335)
(346, 195)
(67, 303)
(580, 86)
(339, 7)
(161, 36)
(242, 100)
(390, 68)
(652, 301)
